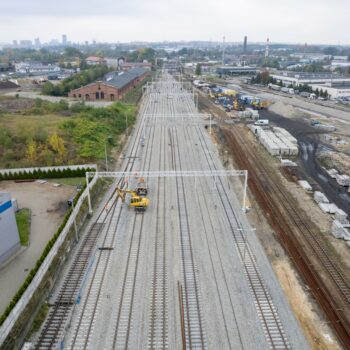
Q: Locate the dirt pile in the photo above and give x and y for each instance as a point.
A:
(285, 110)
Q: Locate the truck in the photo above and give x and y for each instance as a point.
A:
(305, 94)
(274, 87)
(262, 122)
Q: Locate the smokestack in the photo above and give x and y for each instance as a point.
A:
(245, 44)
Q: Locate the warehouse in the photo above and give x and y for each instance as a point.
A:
(236, 70)
(113, 87)
(9, 237)
(300, 78)
(334, 90)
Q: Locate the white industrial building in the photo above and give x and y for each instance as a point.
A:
(300, 78)
(36, 68)
(9, 237)
(335, 91)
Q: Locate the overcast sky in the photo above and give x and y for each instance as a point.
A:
(290, 21)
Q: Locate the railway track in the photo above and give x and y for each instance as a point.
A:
(268, 315)
(53, 326)
(123, 320)
(158, 323)
(286, 220)
(195, 337)
(52, 332)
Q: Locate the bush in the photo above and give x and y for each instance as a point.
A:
(42, 174)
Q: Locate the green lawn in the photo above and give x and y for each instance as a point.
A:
(71, 181)
(23, 224)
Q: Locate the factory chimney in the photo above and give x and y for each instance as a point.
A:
(245, 44)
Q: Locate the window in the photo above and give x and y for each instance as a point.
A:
(74, 95)
(87, 97)
(112, 97)
(102, 95)
(79, 95)
(97, 95)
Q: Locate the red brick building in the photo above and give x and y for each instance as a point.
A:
(113, 87)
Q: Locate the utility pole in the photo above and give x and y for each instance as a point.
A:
(126, 124)
(106, 156)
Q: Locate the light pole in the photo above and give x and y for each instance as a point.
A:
(126, 124)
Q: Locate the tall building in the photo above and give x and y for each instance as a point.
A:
(37, 42)
(64, 39)
(9, 237)
(245, 44)
(14, 43)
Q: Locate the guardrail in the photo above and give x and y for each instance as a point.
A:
(16, 312)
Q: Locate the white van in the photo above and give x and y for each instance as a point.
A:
(262, 122)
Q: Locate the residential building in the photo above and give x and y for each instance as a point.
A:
(126, 66)
(113, 87)
(95, 60)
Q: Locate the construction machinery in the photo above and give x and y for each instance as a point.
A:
(142, 188)
(138, 202)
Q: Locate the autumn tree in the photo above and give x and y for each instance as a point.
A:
(57, 144)
(31, 150)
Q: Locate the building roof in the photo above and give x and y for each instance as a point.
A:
(306, 75)
(8, 85)
(136, 64)
(95, 59)
(120, 79)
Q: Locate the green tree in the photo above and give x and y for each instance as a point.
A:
(198, 70)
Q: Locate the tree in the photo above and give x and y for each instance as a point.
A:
(198, 69)
(31, 150)
(57, 144)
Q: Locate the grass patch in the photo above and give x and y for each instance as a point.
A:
(70, 181)
(50, 134)
(23, 224)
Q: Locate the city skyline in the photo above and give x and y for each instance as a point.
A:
(159, 21)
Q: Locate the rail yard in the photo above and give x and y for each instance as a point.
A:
(186, 272)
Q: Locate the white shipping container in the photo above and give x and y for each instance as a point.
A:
(338, 231)
(340, 215)
(325, 207)
(319, 197)
(343, 180)
(305, 185)
(332, 173)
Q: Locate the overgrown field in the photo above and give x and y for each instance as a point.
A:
(42, 133)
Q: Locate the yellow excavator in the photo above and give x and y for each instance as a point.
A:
(139, 203)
